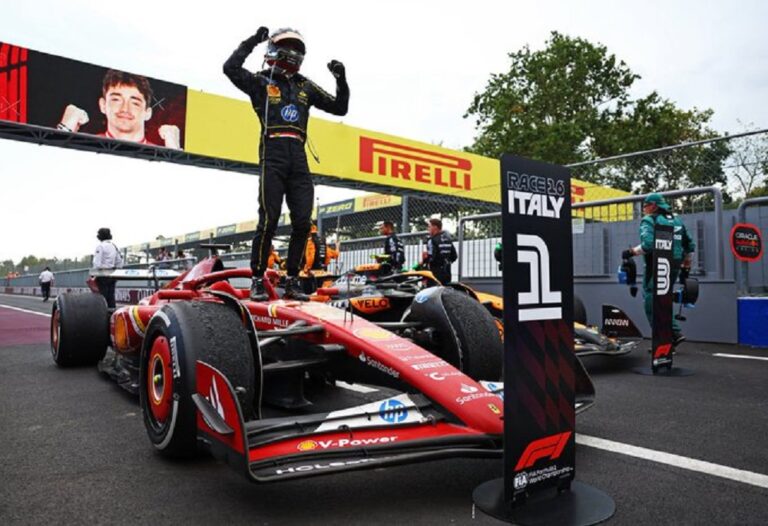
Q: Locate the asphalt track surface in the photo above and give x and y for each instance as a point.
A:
(73, 450)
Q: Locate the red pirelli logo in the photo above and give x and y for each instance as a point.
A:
(398, 161)
(550, 447)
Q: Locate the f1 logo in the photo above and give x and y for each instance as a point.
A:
(533, 251)
(662, 276)
(550, 447)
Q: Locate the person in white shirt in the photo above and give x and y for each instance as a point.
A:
(46, 281)
(106, 257)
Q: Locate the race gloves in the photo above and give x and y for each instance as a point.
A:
(337, 69)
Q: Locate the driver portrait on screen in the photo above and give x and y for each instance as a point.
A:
(126, 103)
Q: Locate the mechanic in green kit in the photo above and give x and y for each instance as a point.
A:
(656, 210)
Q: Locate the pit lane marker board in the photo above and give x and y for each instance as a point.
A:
(677, 461)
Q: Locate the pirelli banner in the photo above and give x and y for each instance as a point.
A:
(52, 91)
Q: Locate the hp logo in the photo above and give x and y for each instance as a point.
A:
(290, 113)
(393, 411)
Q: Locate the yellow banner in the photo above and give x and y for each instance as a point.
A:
(375, 201)
(227, 128)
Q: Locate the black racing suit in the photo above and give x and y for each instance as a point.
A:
(321, 252)
(393, 248)
(284, 169)
(440, 254)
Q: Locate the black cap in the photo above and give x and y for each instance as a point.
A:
(103, 234)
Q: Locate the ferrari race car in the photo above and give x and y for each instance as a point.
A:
(283, 389)
(375, 293)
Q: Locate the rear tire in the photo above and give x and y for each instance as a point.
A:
(177, 337)
(79, 329)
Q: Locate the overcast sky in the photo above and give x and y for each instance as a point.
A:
(413, 67)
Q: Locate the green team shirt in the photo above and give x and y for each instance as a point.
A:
(683, 243)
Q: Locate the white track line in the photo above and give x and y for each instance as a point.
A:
(26, 310)
(742, 356)
(691, 464)
(356, 387)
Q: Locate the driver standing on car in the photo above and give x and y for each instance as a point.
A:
(656, 210)
(281, 98)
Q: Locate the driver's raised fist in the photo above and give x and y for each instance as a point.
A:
(74, 117)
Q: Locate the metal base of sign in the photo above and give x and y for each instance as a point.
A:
(663, 371)
(582, 505)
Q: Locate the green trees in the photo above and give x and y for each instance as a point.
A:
(571, 102)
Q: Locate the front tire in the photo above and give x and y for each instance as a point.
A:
(177, 337)
(79, 329)
(468, 337)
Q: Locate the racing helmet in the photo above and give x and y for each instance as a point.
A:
(285, 50)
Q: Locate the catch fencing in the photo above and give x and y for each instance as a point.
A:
(601, 231)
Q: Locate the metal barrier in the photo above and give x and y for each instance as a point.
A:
(743, 268)
(601, 229)
(77, 278)
(354, 252)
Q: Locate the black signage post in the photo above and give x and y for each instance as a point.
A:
(539, 364)
(662, 348)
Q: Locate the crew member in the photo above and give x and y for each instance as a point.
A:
(106, 257)
(393, 247)
(46, 281)
(281, 98)
(274, 258)
(440, 251)
(318, 254)
(656, 211)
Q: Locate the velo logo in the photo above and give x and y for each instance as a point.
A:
(662, 276)
(539, 303)
(550, 447)
(290, 113)
(393, 411)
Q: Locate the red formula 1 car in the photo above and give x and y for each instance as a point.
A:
(283, 389)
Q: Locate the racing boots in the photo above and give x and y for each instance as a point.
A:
(677, 338)
(293, 290)
(258, 292)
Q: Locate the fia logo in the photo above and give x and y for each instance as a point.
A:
(662, 276)
(521, 480)
(290, 113)
(539, 303)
